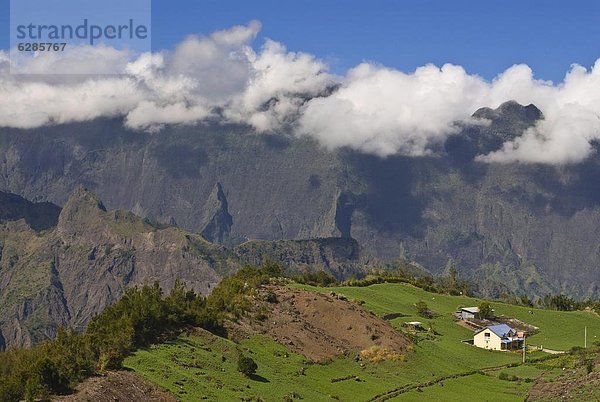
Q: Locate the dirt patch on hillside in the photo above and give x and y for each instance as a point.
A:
(584, 388)
(121, 386)
(318, 326)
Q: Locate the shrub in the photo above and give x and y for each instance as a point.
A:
(291, 397)
(51, 367)
(261, 317)
(377, 354)
(423, 310)
(505, 377)
(589, 365)
(230, 296)
(246, 365)
(560, 302)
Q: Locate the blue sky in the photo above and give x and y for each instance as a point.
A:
(485, 37)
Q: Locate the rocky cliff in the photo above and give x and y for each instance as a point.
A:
(66, 275)
(339, 256)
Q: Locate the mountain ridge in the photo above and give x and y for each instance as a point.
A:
(534, 223)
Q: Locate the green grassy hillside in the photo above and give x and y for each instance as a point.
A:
(194, 367)
(559, 330)
(204, 366)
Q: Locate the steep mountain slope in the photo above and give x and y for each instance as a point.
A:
(66, 274)
(515, 228)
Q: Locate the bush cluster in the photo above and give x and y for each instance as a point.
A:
(450, 284)
(423, 310)
(141, 317)
(315, 278)
(562, 302)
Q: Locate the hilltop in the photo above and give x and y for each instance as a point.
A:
(317, 326)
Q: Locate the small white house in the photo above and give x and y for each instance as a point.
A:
(468, 313)
(498, 337)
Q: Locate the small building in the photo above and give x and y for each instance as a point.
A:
(498, 337)
(414, 325)
(468, 313)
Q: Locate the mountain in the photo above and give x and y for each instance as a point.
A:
(216, 225)
(515, 228)
(64, 275)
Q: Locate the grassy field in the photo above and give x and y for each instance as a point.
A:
(559, 330)
(478, 387)
(204, 367)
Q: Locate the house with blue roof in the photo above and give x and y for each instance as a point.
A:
(499, 337)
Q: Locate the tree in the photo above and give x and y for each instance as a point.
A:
(271, 297)
(526, 301)
(246, 365)
(453, 274)
(561, 302)
(272, 269)
(485, 311)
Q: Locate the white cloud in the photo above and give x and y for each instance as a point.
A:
(279, 83)
(572, 111)
(34, 104)
(386, 111)
(152, 116)
(217, 63)
(373, 108)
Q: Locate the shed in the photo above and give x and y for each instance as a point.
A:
(468, 313)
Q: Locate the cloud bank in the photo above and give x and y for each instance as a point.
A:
(372, 108)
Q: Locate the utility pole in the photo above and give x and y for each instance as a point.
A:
(523, 349)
